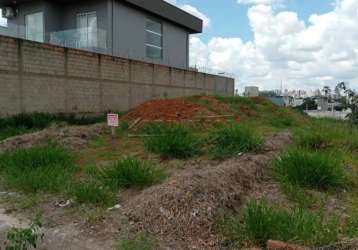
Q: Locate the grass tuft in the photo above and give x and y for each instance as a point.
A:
(310, 169)
(140, 242)
(231, 139)
(92, 192)
(40, 168)
(171, 140)
(131, 172)
(259, 223)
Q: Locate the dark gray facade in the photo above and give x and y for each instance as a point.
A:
(121, 26)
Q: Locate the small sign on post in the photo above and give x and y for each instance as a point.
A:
(113, 122)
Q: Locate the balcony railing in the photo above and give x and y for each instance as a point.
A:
(94, 40)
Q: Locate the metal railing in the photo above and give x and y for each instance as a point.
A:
(94, 40)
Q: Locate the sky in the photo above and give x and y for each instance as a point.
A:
(274, 44)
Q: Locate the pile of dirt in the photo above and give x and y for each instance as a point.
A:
(213, 104)
(168, 110)
(74, 137)
(181, 211)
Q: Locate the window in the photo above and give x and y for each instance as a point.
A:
(87, 28)
(154, 39)
(3, 21)
(35, 27)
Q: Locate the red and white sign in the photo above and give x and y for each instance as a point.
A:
(113, 120)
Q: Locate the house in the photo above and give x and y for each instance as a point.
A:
(153, 31)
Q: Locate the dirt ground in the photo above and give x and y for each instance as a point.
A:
(179, 212)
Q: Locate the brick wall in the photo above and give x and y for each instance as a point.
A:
(46, 78)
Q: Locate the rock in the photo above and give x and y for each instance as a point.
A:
(280, 245)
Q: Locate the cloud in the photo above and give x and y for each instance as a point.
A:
(323, 50)
(256, 2)
(194, 11)
(174, 2)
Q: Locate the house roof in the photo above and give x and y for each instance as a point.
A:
(158, 7)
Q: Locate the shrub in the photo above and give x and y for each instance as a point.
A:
(259, 223)
(140, 242)
(92, 192)
(231, 139)
(131, 172)
(171, 140)
(310, 169)
(40, 168)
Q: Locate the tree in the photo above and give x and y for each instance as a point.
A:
(327, 91)
(351, 102)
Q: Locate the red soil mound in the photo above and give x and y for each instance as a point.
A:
(168, 110)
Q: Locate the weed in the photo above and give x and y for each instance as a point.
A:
(171, 140)
(24, 238)
(237, 101)
(131, 172)
(231, 139)
(259, 223)
(282, 120)
(140, 242)
(40, 168)
(310, 169)
(312, 140)
(92, 192)
(303, 197)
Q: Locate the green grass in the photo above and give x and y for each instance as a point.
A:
(93, 192)
(42, 168)
(140, 242)
(310, 169)
(171, 140)
(259, 223)
(313, 139)
(281, 120)
(232, 138)
(131, 172)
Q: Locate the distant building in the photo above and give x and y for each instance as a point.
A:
(251, 91)
(322, 103)
(278, 100)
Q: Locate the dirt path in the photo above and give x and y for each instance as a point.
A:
(181, 211)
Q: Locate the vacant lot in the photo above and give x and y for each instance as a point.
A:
(203, 172)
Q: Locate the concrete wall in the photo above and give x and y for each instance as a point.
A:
(46, 78)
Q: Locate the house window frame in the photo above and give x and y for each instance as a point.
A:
(43, 25)
(150, 45)
(89, 42)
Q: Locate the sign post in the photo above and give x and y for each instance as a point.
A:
(113, 122)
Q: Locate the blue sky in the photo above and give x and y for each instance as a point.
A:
(229, 19)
